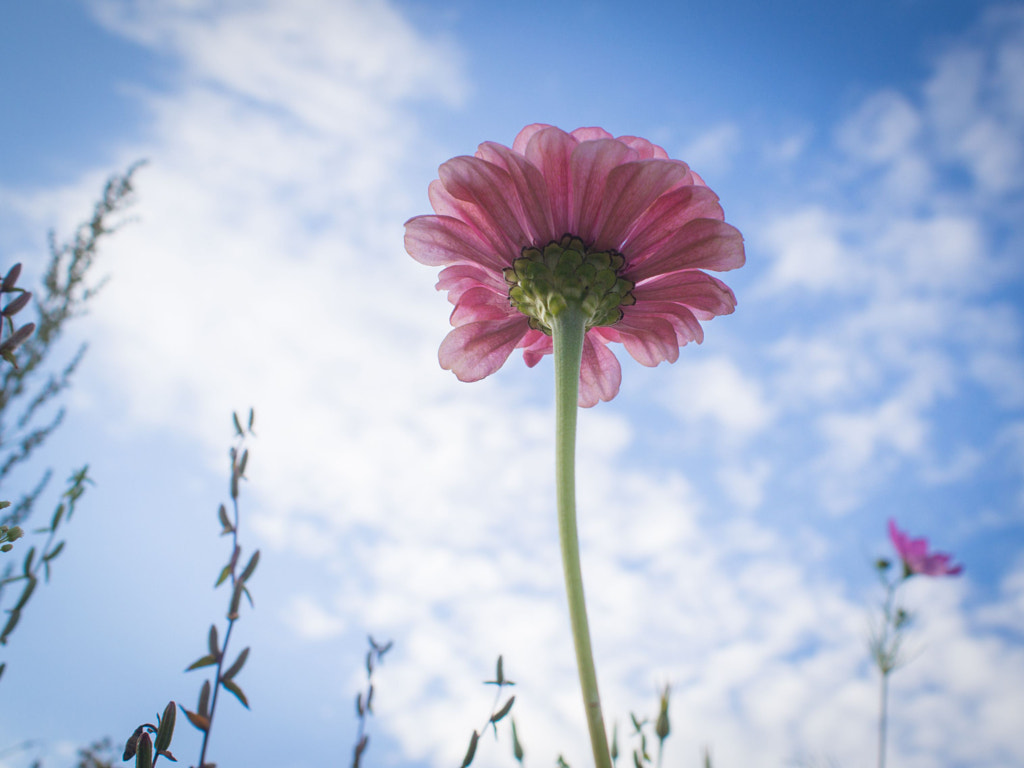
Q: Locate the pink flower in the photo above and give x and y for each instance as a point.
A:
(915, 556)
(643, 225)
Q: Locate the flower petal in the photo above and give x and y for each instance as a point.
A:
(706, 295)
(481, 304)
(524, 136)
(459, 278)
(600, 372)
(702, 243)
(487, 198)
(550, 150)
(667, 215)
(648, 338)
(531, 190)
(535, 345)
(644, 148)
(631, 188)
(591, 163)
(476, 350)
(440, 240)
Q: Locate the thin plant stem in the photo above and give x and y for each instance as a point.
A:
(567, 332)
(882, 719)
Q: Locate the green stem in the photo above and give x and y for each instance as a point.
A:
(567, 332)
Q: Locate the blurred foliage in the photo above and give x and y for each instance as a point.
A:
(30, 387)
(217, 652)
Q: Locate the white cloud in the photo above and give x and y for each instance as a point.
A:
(712, 151)
(717, 391)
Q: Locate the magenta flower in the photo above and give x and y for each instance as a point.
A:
(612, 223)
(916, 558)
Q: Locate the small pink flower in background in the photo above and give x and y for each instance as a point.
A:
(916, 558)
(644, 227)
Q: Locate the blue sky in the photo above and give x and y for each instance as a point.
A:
(731, 504)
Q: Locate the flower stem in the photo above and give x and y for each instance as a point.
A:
(567, 332)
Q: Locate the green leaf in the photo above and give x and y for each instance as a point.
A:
(236, 599)
(235, 668)
(517, 748)
(225, 572)
(238, 425)
(252, 416)
(27, 593)
(204, 699)
(166, 729)
(12, 622)
(53, 552)
(57, 515)
(27, 570)
(243, 462)
(200, 722)
(233, 687)
(214, 643)
(472, 749)
(3, 666)
(204, 661)
(226, 526)
(250, 566)
(503, 711)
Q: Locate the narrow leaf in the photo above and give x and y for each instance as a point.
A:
(214, 643)
(200, 722)
(251, 566)
(27, 570)
(205, 661)
(472, 749)
(236, 599)
(225, 523)
(57, 515)
(238, 425)
(243, 462)
(237, 666)
(503, 711)
(517, 748)
(252, 416)
(233, 687)
(30, 587)
(225, 572)
(53, 552)
(204, 699)
(12, 622)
